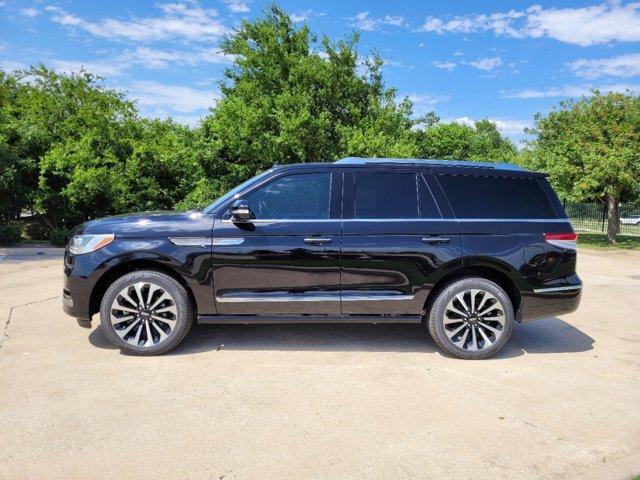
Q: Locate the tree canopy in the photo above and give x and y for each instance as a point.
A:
(591, 149)
(72, 149)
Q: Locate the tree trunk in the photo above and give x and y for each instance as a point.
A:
(613, 222)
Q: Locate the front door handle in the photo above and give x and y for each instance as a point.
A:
(434, 240)
(317, 240)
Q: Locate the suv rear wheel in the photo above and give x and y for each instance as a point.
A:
(146, 313)
(471, 318)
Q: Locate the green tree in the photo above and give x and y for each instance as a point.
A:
(74, 150)
(291, 98)
(457, 141)
(17, 170)
(591, 149)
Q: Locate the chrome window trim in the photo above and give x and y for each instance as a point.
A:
(557, 289)
(524, 220)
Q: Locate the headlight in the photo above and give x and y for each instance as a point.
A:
(80, 244)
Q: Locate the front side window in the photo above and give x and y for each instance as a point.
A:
(304, 196)
(385, 195)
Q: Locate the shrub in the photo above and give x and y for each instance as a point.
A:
(10, 233)
(59, 236)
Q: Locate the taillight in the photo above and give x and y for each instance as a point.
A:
(562, 240)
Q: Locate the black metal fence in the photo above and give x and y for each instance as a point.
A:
(592, 217)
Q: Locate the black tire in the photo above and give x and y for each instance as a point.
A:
(436, 318)
(179, 298)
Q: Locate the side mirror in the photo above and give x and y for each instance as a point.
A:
(240, 211)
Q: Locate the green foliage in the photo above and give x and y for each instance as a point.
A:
(72, 149)
(289, 98)
(9, 233)
(59, 236)
(591, 149)
(456, 141)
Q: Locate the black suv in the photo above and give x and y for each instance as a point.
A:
(466, 248)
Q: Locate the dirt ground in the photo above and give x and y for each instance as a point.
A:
(321, 401)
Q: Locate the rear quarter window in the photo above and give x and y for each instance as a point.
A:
(496, 197)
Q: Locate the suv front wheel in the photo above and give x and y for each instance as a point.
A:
(146, 313)
(471, 318)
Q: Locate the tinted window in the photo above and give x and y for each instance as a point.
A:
(495, 197)
(428, 207)
(385, 195)
(303, 196)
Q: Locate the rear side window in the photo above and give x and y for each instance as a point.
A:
(495, 197)
(385, 195)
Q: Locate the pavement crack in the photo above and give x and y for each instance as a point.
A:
(5, 332)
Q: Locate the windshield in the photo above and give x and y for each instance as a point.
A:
(234, 191)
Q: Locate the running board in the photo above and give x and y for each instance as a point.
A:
(271, 319)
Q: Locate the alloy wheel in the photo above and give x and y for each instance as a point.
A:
(143, 314)
(474, 320)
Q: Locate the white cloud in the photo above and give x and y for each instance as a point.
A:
(620, 66)
(30, 12)
(304, 15)
(237, 6)
(584, 26)
(508, 127)
(103, 68)
(449, 66)
(178, 98)
(145, 56)
(364, 22)
(10, 65)
(300, 16)
(179, 21)
(425, 102)
(158, 59)
(569, 90)
(486, 64)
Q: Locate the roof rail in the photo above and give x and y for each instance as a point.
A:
(430, 162)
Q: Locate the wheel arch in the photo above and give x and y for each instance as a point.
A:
(488, 272)
(129, 266)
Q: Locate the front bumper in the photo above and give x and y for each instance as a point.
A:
(81, 273)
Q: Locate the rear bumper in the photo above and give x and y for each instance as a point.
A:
(551, 301)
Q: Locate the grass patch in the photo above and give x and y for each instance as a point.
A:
(599, 241)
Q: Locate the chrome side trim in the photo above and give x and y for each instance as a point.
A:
(557, 289)
(310, 297)
(374, 298)
(227, 241)
(277, 298)
(282, 220)
(191, 241)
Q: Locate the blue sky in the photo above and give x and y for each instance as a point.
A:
(465, 60)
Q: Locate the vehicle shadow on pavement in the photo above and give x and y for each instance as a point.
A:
(543, 336)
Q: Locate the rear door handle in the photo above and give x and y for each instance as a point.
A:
(435, 240)
(317, 240)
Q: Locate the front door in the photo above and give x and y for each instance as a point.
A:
(286, 260)
(396, 242)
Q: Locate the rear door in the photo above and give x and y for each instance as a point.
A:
(287, 259)
(397, 240)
